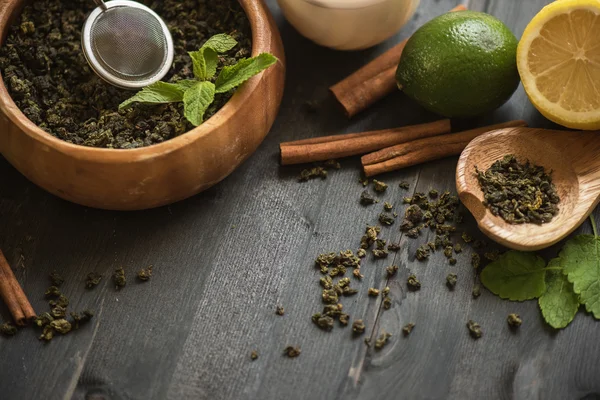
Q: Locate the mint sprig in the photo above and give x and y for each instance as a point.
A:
(561, 286)
(199, 93)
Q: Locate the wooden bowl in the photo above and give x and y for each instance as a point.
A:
(160, 174)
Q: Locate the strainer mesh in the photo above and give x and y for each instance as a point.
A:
(129, 42)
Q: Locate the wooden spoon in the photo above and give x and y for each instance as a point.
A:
(573, 157)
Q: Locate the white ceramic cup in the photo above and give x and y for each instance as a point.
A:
(348, 24)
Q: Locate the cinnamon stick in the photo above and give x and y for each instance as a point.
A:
(339, 146)
(372, 82)
(13, 295)
(423, 150)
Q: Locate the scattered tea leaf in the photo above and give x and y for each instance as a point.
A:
(325, 322)
(386, 219)
(119, 278)
(358, 327)
(382, 340)
(312, 173)
(379, 186)
(451, 281)
(145, 274)
(367, 198)
(407, 329)
(56, 278)
(92, 280)
(43, 319)
(514, 320)
(391, 270)
(474, 329)
(52, 291)
(387, 302)
(8, 329)
(413, 283)
(292, 351)
(61, 326)
(82, 318)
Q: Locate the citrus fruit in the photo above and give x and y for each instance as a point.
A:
(460, 64)
(559, 62)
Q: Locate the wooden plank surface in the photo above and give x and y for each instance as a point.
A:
(226, 258)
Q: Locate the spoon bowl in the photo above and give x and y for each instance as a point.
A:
(571, 156)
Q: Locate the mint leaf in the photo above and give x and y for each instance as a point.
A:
(220, 43)
(580, 258)
(560, 303)
(516, 275)
(233, 76)
(157, 93)
(211, 58)
(196, 100)
(185, 84)
(205, 63)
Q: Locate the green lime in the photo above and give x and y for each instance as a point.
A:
(460, 64)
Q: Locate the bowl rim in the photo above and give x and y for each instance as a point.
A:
(259, 29)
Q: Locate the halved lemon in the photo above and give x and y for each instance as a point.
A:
(559, 62)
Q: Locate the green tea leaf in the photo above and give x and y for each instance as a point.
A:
(196, 100)
(233, 76)
(560, 303)
(157, 93)
(580, 258)
(220, 43)
(516, 275)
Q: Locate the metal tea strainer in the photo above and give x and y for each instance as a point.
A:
(127, 44)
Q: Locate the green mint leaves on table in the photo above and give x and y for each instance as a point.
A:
(560, 287)
(198, 94)
(516, 276)
(560, 303)
(580, 258)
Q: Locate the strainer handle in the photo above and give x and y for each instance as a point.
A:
(101, 4)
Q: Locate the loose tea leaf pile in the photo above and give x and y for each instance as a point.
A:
(56, 321)
(49, 79)
(519, 193)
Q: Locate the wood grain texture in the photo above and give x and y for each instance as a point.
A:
(224, 259)
(572, 158)
(160, 174)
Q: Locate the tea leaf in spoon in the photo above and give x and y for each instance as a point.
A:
(580, 258)
(560, 303)
(516, 275)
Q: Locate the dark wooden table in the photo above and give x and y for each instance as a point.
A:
(226, 258)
